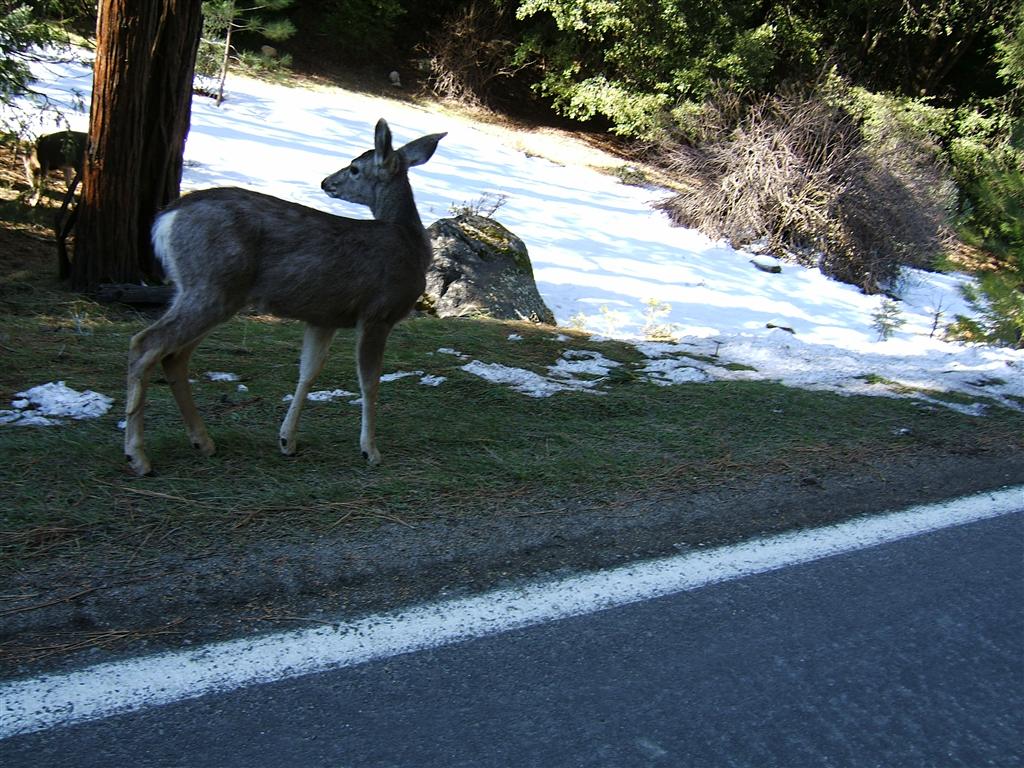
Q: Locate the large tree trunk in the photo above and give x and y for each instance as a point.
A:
(141, 106)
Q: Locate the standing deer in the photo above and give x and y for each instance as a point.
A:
(226, 248)
(55, 151)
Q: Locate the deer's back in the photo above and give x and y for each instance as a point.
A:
(242, 247)
(58, 150)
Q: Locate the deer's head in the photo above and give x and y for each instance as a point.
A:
(377, 169)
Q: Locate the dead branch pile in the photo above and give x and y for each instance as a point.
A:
(797, 175)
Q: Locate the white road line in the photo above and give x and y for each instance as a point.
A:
(124, 686)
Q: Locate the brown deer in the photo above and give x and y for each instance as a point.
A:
(226, 248)
(55, 151)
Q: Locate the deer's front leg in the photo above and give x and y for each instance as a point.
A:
(315, 344)
(35, 182)
(29, 173)
(369, 358)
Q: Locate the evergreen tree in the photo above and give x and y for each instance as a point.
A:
(222, 20)
(21, 37)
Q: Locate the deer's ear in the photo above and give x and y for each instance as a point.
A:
(382, 142)
(418, 151)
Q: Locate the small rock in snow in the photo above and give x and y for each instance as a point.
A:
(767, 264)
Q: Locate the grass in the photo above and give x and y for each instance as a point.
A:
(464, 448)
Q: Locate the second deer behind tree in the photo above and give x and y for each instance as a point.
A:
(63, 151)
(227, 248)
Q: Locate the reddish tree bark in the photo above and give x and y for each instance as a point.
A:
(141, 107)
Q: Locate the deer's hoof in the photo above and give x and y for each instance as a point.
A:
(288, 447)
(140, 465)
(205, 446)
(372, 457)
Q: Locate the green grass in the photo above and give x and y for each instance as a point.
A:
(465, 448)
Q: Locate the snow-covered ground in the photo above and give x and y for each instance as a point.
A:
(604, 259)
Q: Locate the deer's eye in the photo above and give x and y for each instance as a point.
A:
(353, 170)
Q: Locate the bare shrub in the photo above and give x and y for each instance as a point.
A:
(470, 52)
(798, 173)
(488, 204)
(700, 123)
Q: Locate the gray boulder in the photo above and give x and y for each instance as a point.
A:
(480, 268)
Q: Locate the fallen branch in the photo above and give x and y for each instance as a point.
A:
(127, 293)
(56, 601)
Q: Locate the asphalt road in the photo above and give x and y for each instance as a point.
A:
(906, 654)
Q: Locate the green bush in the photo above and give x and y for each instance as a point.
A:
(994, 221)
(994, 216)
(627, 61)
(998, 303)
(631, 61)
(987, 157)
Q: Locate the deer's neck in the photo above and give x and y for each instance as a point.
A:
(397, 206)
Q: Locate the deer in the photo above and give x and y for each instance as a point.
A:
(227, 248)
(63, 151)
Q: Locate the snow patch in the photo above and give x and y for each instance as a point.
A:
(673, 370)
(48, 404)
(575, 363)
(527, 382)
(322, 396)
(399, 375)
(452, 352)
(330, 395)
(326, 396)
(564, 376)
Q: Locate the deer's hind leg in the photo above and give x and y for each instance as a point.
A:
(176, 371)
(172, 338)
